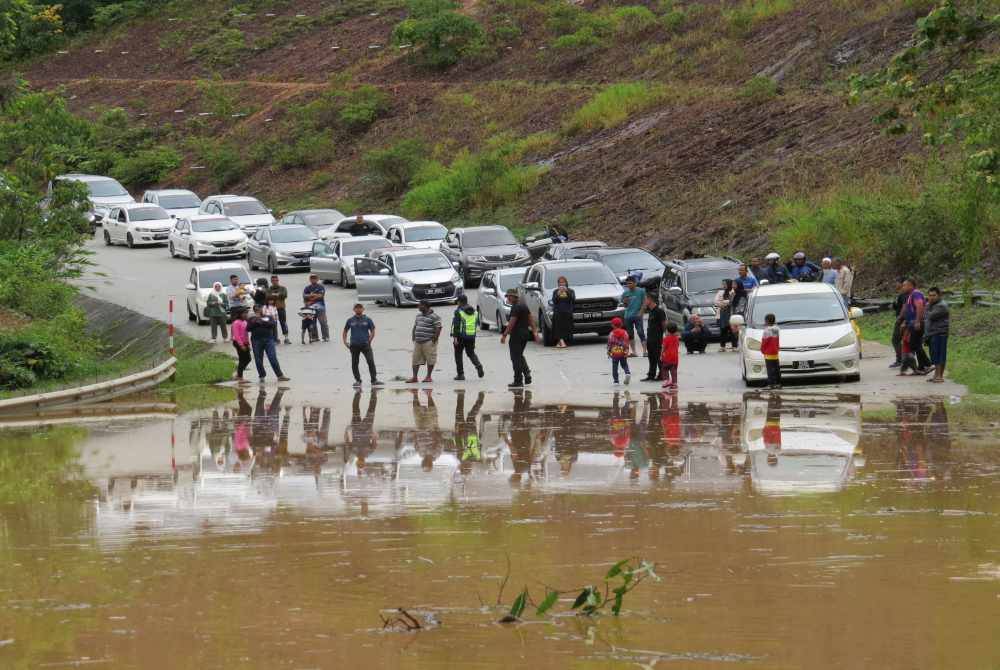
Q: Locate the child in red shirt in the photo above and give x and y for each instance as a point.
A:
(670, 358)
(770, 346)
(618, 349)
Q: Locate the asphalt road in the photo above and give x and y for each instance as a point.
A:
(145, 279)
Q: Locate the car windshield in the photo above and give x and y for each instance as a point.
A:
(422, 262)
(362, 247)
(586, 276)
(148, 214)
(207, 278)
(511, 280)
(292, 234)
(700, 282)
(244, 208)
(493, 237)
(426, 233)
(632, 260)
(216, 226)
(322, 219)
(802, 308)
(106, 188)
(179, 201)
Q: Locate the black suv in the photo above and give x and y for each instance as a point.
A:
(689, 287)
(626, 262)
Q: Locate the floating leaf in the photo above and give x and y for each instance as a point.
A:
(518, 607)
(582, 598)
(616, 569)
(617, 607)
(547, 604)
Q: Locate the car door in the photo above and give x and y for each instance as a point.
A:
(336, 259)
(487, 297)
(372, 279)
(532, 298)
(320, 263)
(192, 292)
(175, 233)
(450, 247)
(121, 225)
(255, 248)
(670, 295)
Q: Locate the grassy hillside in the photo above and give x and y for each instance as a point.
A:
(688, 127)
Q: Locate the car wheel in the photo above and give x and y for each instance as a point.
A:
(343, 279)
(191, 316)
(130, 241)
(270, 265)
(396, 299)
(107, 238)
(191, 253)
(548, 339)
(170, 248)
(253, 266)
(482, 323)
(466, 280)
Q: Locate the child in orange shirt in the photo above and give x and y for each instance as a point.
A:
(670, 358)
(618, 349)
(770, 346)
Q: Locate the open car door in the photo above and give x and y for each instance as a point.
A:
(373, 279)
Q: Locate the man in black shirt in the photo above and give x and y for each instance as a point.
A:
(654, 336)
(262, 331)
(521, 329)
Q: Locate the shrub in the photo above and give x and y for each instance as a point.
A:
(583, 39)
(613, 106)
(362, 107)
(441, 37)
(744, 17)
(148, 166)
(44, 350)
(392, 169)
(110, 15)
(225, 162)
(633, 20)
(222, 49)
(30, 285)
(310, 148)
(759, 89)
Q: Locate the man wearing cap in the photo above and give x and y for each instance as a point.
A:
(829, 274)
(773, 271)
(801, 269)
(521, 329)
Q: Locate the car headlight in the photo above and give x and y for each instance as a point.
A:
(405, 282)
(523, 254)
(477, 259)
(752, 344)
(846, 340)
(284, 257)
(455, 278)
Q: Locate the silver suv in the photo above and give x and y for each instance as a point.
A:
(598, 295)
(407, 276)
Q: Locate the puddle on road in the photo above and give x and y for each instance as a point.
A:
(790, 531)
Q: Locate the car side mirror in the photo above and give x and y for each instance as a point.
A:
(384, 272)
(191, 287)
(676, 290)
(530, 286)
(456, 265)
(856, 313)
(264, 243)
(737, 320)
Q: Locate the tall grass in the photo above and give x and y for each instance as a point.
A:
(745, 16)
(613, 106)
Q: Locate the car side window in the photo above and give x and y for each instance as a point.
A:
(397, 235)
(194, 277)
(487, 281)
(534, 275)
(122, 216)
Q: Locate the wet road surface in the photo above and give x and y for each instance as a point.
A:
(790, 531)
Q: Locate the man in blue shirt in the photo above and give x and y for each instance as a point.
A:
(744, 277)
(362, 331)
(773, 271)
(634, 297)
(314, 296)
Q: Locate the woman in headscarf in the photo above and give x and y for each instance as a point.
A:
(217, 311)
(563, 302)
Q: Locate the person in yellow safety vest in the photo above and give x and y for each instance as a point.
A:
(466, 433)
(464, 326)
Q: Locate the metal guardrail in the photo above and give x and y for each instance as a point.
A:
(91, 393)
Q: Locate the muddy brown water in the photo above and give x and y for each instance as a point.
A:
(789, 531)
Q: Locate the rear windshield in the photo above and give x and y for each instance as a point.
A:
(180, 201)
(487, 238)
(207, 278)
(216, 226)
(148, 214)
(106, 188)
(322, 219)
(581, 277)
(369, 228)
(244, 208)
(426, 233)
(292, 234)
(362, 247)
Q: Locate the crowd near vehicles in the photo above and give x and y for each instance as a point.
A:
(817, 336)
(478, 249)
(280, 247)
(202, 237)
(246, 212)
(333, 260)
(689, 287)
(136, 224)
(598, 295)
(179, 202)
(203, 277)
(407, 276)
(103, 194)
(491, 301)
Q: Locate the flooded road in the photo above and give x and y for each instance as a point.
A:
(789, 531)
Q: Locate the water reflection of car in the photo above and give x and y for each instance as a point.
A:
(817, 333)
(801, 444)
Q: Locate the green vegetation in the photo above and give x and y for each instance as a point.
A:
(225, 48)
(973, 345)
(39, 466)
(439, 35)
(613, 106)
(745, 16)
(392, 170)
(759, 90)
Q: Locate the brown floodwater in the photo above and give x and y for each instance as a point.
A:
(788, 531)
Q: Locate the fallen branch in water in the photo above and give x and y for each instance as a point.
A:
(405, 619)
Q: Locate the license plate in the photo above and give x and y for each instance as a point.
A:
(159, 237)
(803, 365)
(434, 291)
(587, 316)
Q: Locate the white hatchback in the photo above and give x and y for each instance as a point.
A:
(136, 225)
(817, 336)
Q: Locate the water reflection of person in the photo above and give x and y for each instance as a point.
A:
(771, 434)
(653, 446)
(315, 433)
(359, 435)
(621, 424)
(924, 438)
(219, 435)
(427, 431)
(466, 434)
(241, 454)
(269, 433)
(670, 423)
(518, 439)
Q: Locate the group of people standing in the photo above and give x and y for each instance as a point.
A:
(920, 320)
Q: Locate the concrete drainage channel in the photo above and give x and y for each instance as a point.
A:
(124, 332)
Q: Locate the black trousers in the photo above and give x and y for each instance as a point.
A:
(917, 347)
(654, 345)
(468, 347)
(283, 320)
(897, 340)
(773, 372)
(243, 360)
(517, 345)
(358, 350)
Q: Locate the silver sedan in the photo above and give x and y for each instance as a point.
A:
(333, 260)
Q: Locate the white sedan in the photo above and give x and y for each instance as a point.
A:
(816, 333)
(204, 237)
(136, 224)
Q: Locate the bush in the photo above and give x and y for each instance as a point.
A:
(583, 39)
(148, 166)
(110, 15)
(45, 350)
(225, 162)
(221, 49)
(633, 20)
(362, 107)
(441, 37)
(310, 148)
(744, 17)
(393, 169)
(613, 106)
(30, 286)
(759, 89)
